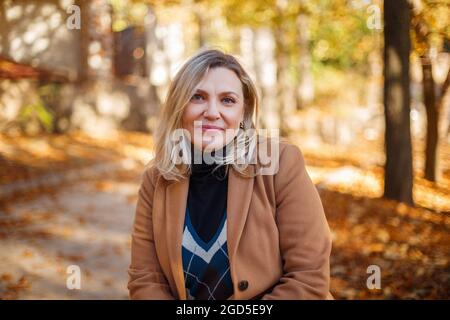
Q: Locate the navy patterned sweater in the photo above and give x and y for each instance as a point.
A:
(204, 246)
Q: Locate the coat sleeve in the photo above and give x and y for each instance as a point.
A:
(305, 239)
(146, 279)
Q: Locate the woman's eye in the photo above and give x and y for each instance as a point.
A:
(197, 97)
(228, 100)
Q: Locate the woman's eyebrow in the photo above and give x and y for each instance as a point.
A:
(230, 92)
(220, 93)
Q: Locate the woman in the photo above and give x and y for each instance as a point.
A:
(212, 224)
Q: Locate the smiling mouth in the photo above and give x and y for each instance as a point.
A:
(211, 128)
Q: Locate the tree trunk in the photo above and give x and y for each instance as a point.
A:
(398, 166)
(431, 105)
(444, 108)
(305, 89)
(264, 53)
(431, 97)
(150, 24)
(83, 73)
(201, 28)
(5, 27)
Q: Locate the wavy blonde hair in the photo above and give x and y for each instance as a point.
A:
(178, 96)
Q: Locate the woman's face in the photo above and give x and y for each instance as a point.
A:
(217, 105)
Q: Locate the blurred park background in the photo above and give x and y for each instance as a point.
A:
(362, 87)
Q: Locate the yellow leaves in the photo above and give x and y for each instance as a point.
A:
(28, 224)
(5, 277)
(81, 220)
(62, 232)
(393, 221)
(416, 254)
(358, 170)
(12, 288)
(359, 230)
(396, 251)
(72, 258)
(374, 247)
(38, 216)
(420, 271)
(382, 235)
(23, 157)
(410, 245)
(441, 261)
(27, 253)
(432, 196)
(402, 209)
(22, 283)
(103, 185)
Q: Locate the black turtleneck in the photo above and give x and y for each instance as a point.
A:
(207, 197)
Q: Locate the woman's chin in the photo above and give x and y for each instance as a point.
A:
(210, 142)
(213, 143)
(211, 146)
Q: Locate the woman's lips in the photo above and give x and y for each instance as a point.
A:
(211, 128)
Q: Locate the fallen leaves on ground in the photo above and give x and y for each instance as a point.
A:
(410, 245)
(24, 157)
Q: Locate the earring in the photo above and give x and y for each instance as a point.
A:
(241, 125)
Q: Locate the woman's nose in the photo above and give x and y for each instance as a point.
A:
(212, 112)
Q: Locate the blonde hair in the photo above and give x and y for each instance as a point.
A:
(178, 96)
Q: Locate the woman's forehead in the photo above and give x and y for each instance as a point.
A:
(220, 80)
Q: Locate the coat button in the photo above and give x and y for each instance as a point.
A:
(243, 285)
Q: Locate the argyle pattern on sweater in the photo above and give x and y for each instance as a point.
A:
(206, 265)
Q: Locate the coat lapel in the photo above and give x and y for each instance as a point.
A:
(240, 191)
(238, 202)
(176, 199)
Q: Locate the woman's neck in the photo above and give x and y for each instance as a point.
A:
(201, 168)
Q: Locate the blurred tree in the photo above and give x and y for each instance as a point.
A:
(326, 33)
(431, 29)
(305, 86)
(84, 42)
(398, 167)
(288, 23)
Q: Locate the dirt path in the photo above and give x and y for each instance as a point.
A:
(85, 223)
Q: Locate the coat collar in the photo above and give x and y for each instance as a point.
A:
(238, 203)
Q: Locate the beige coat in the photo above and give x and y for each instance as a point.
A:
(278, 238)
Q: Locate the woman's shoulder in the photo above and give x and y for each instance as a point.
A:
(290, 152)
(150, 174)
(283, 153)
(282, 142)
